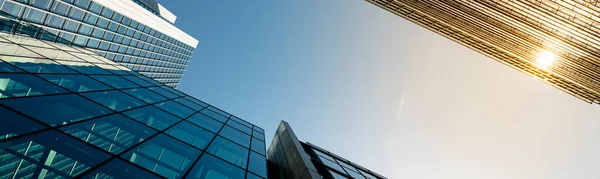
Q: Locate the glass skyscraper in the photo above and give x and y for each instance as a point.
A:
(290, 158)
(138, 34)
(66, 112)
(554, 41)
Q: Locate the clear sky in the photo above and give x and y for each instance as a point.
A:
(383, 92)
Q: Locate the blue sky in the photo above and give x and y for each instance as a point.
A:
(383, 92)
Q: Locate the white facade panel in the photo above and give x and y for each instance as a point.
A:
(136, 12)
(164, 12)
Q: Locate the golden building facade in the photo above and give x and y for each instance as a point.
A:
(518, 32)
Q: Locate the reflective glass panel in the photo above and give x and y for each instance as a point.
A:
(118, 168)
(188, 103)
(18, 85)
(153, 117)
(175, 108)
(258, 135)
(223, 113)
(337, 176)
(163, 92)
(205, 122)
(252, 176)
(138, 81)
(6, 67)
(331, 164)
(191, 134)
(236, 136)
(114, 133)
(115, 81)
(258, 164)
(53, 154)
(229, 151)
(236, 119)
(76, 83)
(209, 167)
(239, 126)
(163, 155)
(258, 146)
(145, 95)
(14, 124)
(52, 110)
(36, 65)
(115, 100)
(196, 101)
(85, 68)
(214, 115)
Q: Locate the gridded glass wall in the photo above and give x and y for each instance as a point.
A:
(336, 166)
(67, 112)
(107, 33)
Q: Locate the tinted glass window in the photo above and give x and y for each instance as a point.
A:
(236, 136)
(229, 151)
(14, 124)
(54, 154)
(188, 103)
(115, 100)
(211, 167)
(191, 134)
(114, 133)
(17, 85)
(34, 65)
(145, 95)
(138, 81)
(236, 119)
(115, 81)
(5, 67)
(205, 122)
(175, 108)
(258, 164)
(118, 168)
(163, 92)
(76, 83)
(196, 101)
(153, 117)
(239, 126)
(252, 176)
(52, 110)
(163, 155)
(214, 115)
(258, 146)
(258, 135)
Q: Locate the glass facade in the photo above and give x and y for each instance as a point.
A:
(107, 33)
(291, 158)
(67, 112)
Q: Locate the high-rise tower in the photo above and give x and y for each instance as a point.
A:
(555, 41)
(138, 34)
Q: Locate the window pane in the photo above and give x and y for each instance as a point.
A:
(258, 164)
(235, 136)
(258, 146)
(353, 174)
(229, 151)
(209, 167)
(36, 65)
(191, 134)
(85, 68)
(236, 119)
(18, 85)
(258, 135)
(205, 122)
(6, 67)
(179, 93)
(114, 133)
(240, 127)
(331, 164)
(76, 83)
(54, 153)
(214, 115)
(57, 110)
(153, 117)
(196, 101)
(138, 81)
(163, 92)
(175, 108)
(115, 100)
(14, 124)
(145, 95)
(188, 103)
(118, 168)
(337, 176)
(115, 81)
(163, 155)
(223, 113)
(252, 176)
